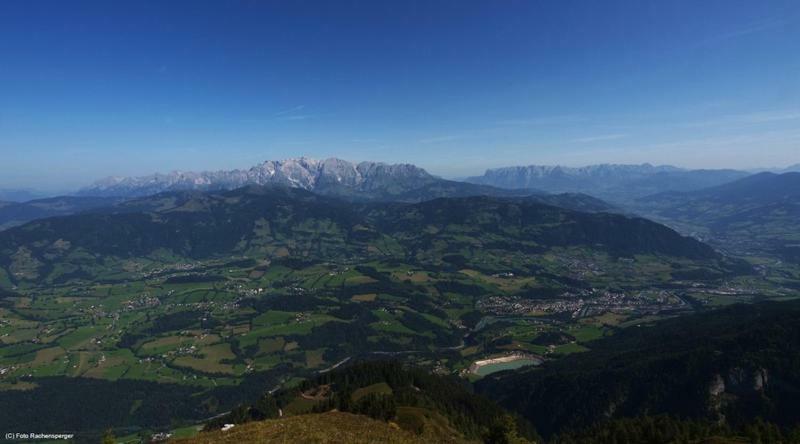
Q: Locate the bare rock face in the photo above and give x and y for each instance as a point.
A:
(717, 386)
(760, 379)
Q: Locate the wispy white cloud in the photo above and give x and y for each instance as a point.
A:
(293, 114)
(442, 139)
(543, 121)
(292, 110)
(751, 28)
(748, 119)
(298, 117)
(599, 138)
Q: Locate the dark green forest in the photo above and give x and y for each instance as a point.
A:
(730, 366)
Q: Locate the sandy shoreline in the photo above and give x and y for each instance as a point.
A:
(503, 359)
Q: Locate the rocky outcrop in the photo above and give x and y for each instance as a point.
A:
(727, 388)
(739, 381)
(743, 381)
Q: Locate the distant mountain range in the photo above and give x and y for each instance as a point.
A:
(354, 182)
(405, 182)
(367, 180)
(408, 183)
(760, 213)
(617, 183)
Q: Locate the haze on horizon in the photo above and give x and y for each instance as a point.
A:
(92, 89)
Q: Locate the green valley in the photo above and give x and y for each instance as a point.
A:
(200, 301)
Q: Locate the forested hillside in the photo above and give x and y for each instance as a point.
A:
(729, 367)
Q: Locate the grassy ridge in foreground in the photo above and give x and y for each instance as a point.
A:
(327, 427)
(436, 408)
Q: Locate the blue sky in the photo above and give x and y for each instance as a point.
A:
(90, 89)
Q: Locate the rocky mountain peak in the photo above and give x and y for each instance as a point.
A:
(329, 176)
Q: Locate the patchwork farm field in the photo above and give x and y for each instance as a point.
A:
(200, 337)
